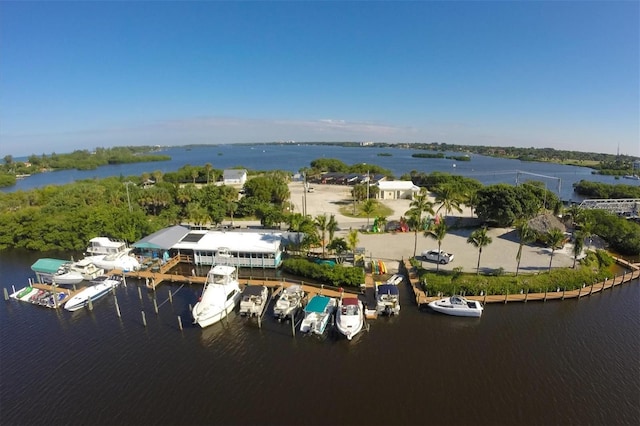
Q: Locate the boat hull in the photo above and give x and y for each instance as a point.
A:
(448, 309)
(81, 299)
(207, 317)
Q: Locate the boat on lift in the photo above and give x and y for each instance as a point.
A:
(253, 300)
(291, 299)
(219, 297)
(317, 314)
(458, 306)
(387, 299)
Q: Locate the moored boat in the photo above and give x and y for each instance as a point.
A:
(108, 254)
(220, 295)
(76, 272)
(317, 314)
(349, 316)
(457, 306)
(387, 299)
(92, 292)
(253, 300)
(289, 301)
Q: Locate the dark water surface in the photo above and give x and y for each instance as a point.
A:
(570, 362)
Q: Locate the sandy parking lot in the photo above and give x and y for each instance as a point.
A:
(501, 253)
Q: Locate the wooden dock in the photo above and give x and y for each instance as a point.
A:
(421, 297)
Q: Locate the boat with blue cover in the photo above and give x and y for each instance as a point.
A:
(387, 299)
(317, 314)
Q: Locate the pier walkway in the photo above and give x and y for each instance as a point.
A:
(421, 297)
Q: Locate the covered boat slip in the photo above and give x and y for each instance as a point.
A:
(46, 268)
(240, 249)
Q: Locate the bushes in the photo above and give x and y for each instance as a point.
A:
(471, 284)
(338, 276)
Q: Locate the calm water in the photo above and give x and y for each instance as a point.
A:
(487, 170)
(571, 362)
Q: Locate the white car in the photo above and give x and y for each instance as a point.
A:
(437, 256)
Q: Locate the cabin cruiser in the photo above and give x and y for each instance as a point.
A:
(109, 254)
(219, 297)
(289, 301)
(387, 299)
(99, 288)
(253, 300)
(349, 316)
(76, 272)
(317, 314)
(458, 306)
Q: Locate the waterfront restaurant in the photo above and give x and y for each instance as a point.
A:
(244, 249)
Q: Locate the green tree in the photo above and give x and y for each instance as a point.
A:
(578, 245)
(479, 239)
(437, 231)
(321, 221)
(352, 240)
(368, 207)
(448, 198)
(332, 227)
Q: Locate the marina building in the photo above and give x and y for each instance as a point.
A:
(397, 189)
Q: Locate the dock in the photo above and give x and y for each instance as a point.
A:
(421, 297)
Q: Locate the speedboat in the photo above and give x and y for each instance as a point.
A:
(219, 297)
(253, 300)
(98, 289)
(289, 301)
(349, 316)
(317, 314)
(387, 299)
(76, 272)
(458, 306)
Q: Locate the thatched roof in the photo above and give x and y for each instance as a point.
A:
(545, 222)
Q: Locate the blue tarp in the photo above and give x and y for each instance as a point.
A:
(387, 289)
(317, 304)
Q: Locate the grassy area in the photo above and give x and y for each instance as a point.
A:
(380, 211)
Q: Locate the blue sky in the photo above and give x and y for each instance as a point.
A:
(76, 75)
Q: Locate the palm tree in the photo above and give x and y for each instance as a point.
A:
(470, 200)
(321, 221)
(332, 227)
(479, 239)
(352, 240)
(368, 207)
(526, 235)
(414, 223)
(578, 245)
(448, 198)
(555, 238)
(207, 168)
(437, 232)
(421, 203)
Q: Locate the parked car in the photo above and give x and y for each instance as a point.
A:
(437, 256)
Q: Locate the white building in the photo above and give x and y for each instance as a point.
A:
(241, 249)
(234, 176)
(396, 190)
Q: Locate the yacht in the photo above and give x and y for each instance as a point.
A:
(99, 288)
(76, 272)
(349, 316)
(458, 306)
(253, 301)
(219, 297)
(317, 314)
(109, 254)
(387, 299)
(289, 301)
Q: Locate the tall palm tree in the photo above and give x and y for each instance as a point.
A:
(526, 235)
(414, 223)
(437, 232)
(368, 207)
(479, 239)
(555, 238)
(578, 245)
(421, 203)
(448, 198)
(332, 227)
(470, 199)
(321, 221)
(352, 240)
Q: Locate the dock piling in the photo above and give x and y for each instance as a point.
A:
(90, 303)
(144, 319)
(6, 294)
(180, 322)
(118, 309)
(170, 296)
(155, 305)
(139, 293)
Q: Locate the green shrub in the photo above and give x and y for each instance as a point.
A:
(338, 276)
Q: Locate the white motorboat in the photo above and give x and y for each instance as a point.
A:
(76, 272)
(349, 316)
(458, 306)
(108, 254)
(289, 301)
(100, 288)
(219, 297)
(253, 300)
(387, 299)
(317, 314)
